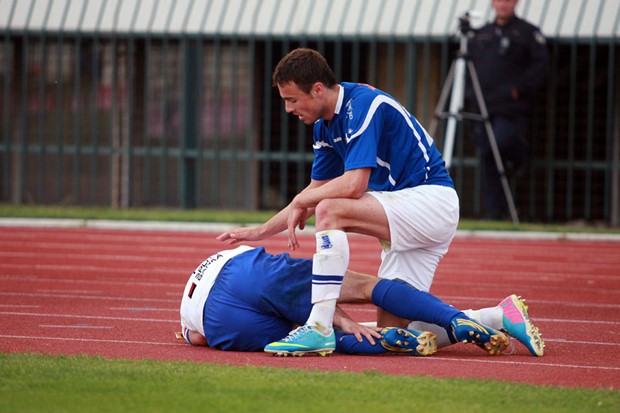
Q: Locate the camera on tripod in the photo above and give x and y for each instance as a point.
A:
(454, 88)
(465, 22)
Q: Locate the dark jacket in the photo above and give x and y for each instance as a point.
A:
(513, 56)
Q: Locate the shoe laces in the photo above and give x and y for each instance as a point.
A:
(299, 331)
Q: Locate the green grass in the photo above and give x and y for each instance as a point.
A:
(247, 217)
(133, 214)
(37, 383)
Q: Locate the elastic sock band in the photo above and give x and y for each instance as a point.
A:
(186, 335)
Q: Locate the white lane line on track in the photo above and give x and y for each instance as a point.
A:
(141, 309)
(451, 299)
(92, 297)
(93, 340)
(51, 291)
(77, 326)
(564, 341)
(112, 247)
(99, 270)
(107, 281)
(585, 322)
(92, 317)
(19, 306)
(493, 360)
(117, 257)
(519, 363)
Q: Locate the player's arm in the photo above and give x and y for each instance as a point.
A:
(352, 184)
(273, 226)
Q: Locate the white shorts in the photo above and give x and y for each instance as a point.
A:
(423, 221)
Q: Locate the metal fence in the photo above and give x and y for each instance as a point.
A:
(192, 121)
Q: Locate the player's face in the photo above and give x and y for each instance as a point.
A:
(307, 107)
(504, 8)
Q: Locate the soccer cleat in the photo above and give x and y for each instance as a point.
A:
(516, 323)
(490, 340)
(303, 340)
(402, 340)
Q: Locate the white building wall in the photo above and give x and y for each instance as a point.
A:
(399, 18)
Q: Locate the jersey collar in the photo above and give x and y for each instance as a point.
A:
(340, 100)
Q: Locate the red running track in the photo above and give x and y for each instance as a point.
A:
(116, 293)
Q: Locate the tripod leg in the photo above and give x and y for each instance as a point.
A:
(456, 107)
(442, 100)
(493, 142)
(455, 84)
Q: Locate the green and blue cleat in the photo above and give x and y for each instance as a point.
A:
(490, 340)
(303, 340)
(402, 340)
(517, 324)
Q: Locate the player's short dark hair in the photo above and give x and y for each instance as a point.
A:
(304, 67)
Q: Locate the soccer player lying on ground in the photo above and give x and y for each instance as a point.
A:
(242, 299)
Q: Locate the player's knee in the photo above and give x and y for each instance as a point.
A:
(326, 214)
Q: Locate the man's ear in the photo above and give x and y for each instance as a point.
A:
(317, 89)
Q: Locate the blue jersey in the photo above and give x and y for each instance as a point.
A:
(370, 129)
(257, 298)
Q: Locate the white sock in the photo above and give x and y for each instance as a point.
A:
(322, 316)
(491, 316)
(328, 267)
(443, 340)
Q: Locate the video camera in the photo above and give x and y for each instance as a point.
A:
(465, 21)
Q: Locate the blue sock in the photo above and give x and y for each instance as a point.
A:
(404, 301)
(347, 343)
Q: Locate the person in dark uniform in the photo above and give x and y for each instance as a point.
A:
(510, 57)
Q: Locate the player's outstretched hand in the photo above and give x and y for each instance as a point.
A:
(349, 326)
(240, 234)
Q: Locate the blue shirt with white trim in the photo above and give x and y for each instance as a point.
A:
(371, 129)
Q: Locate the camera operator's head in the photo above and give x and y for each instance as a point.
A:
(504, 11)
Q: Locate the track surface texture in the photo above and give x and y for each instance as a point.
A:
(116, 293)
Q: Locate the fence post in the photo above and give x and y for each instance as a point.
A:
(615, 167)
(190, 105)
